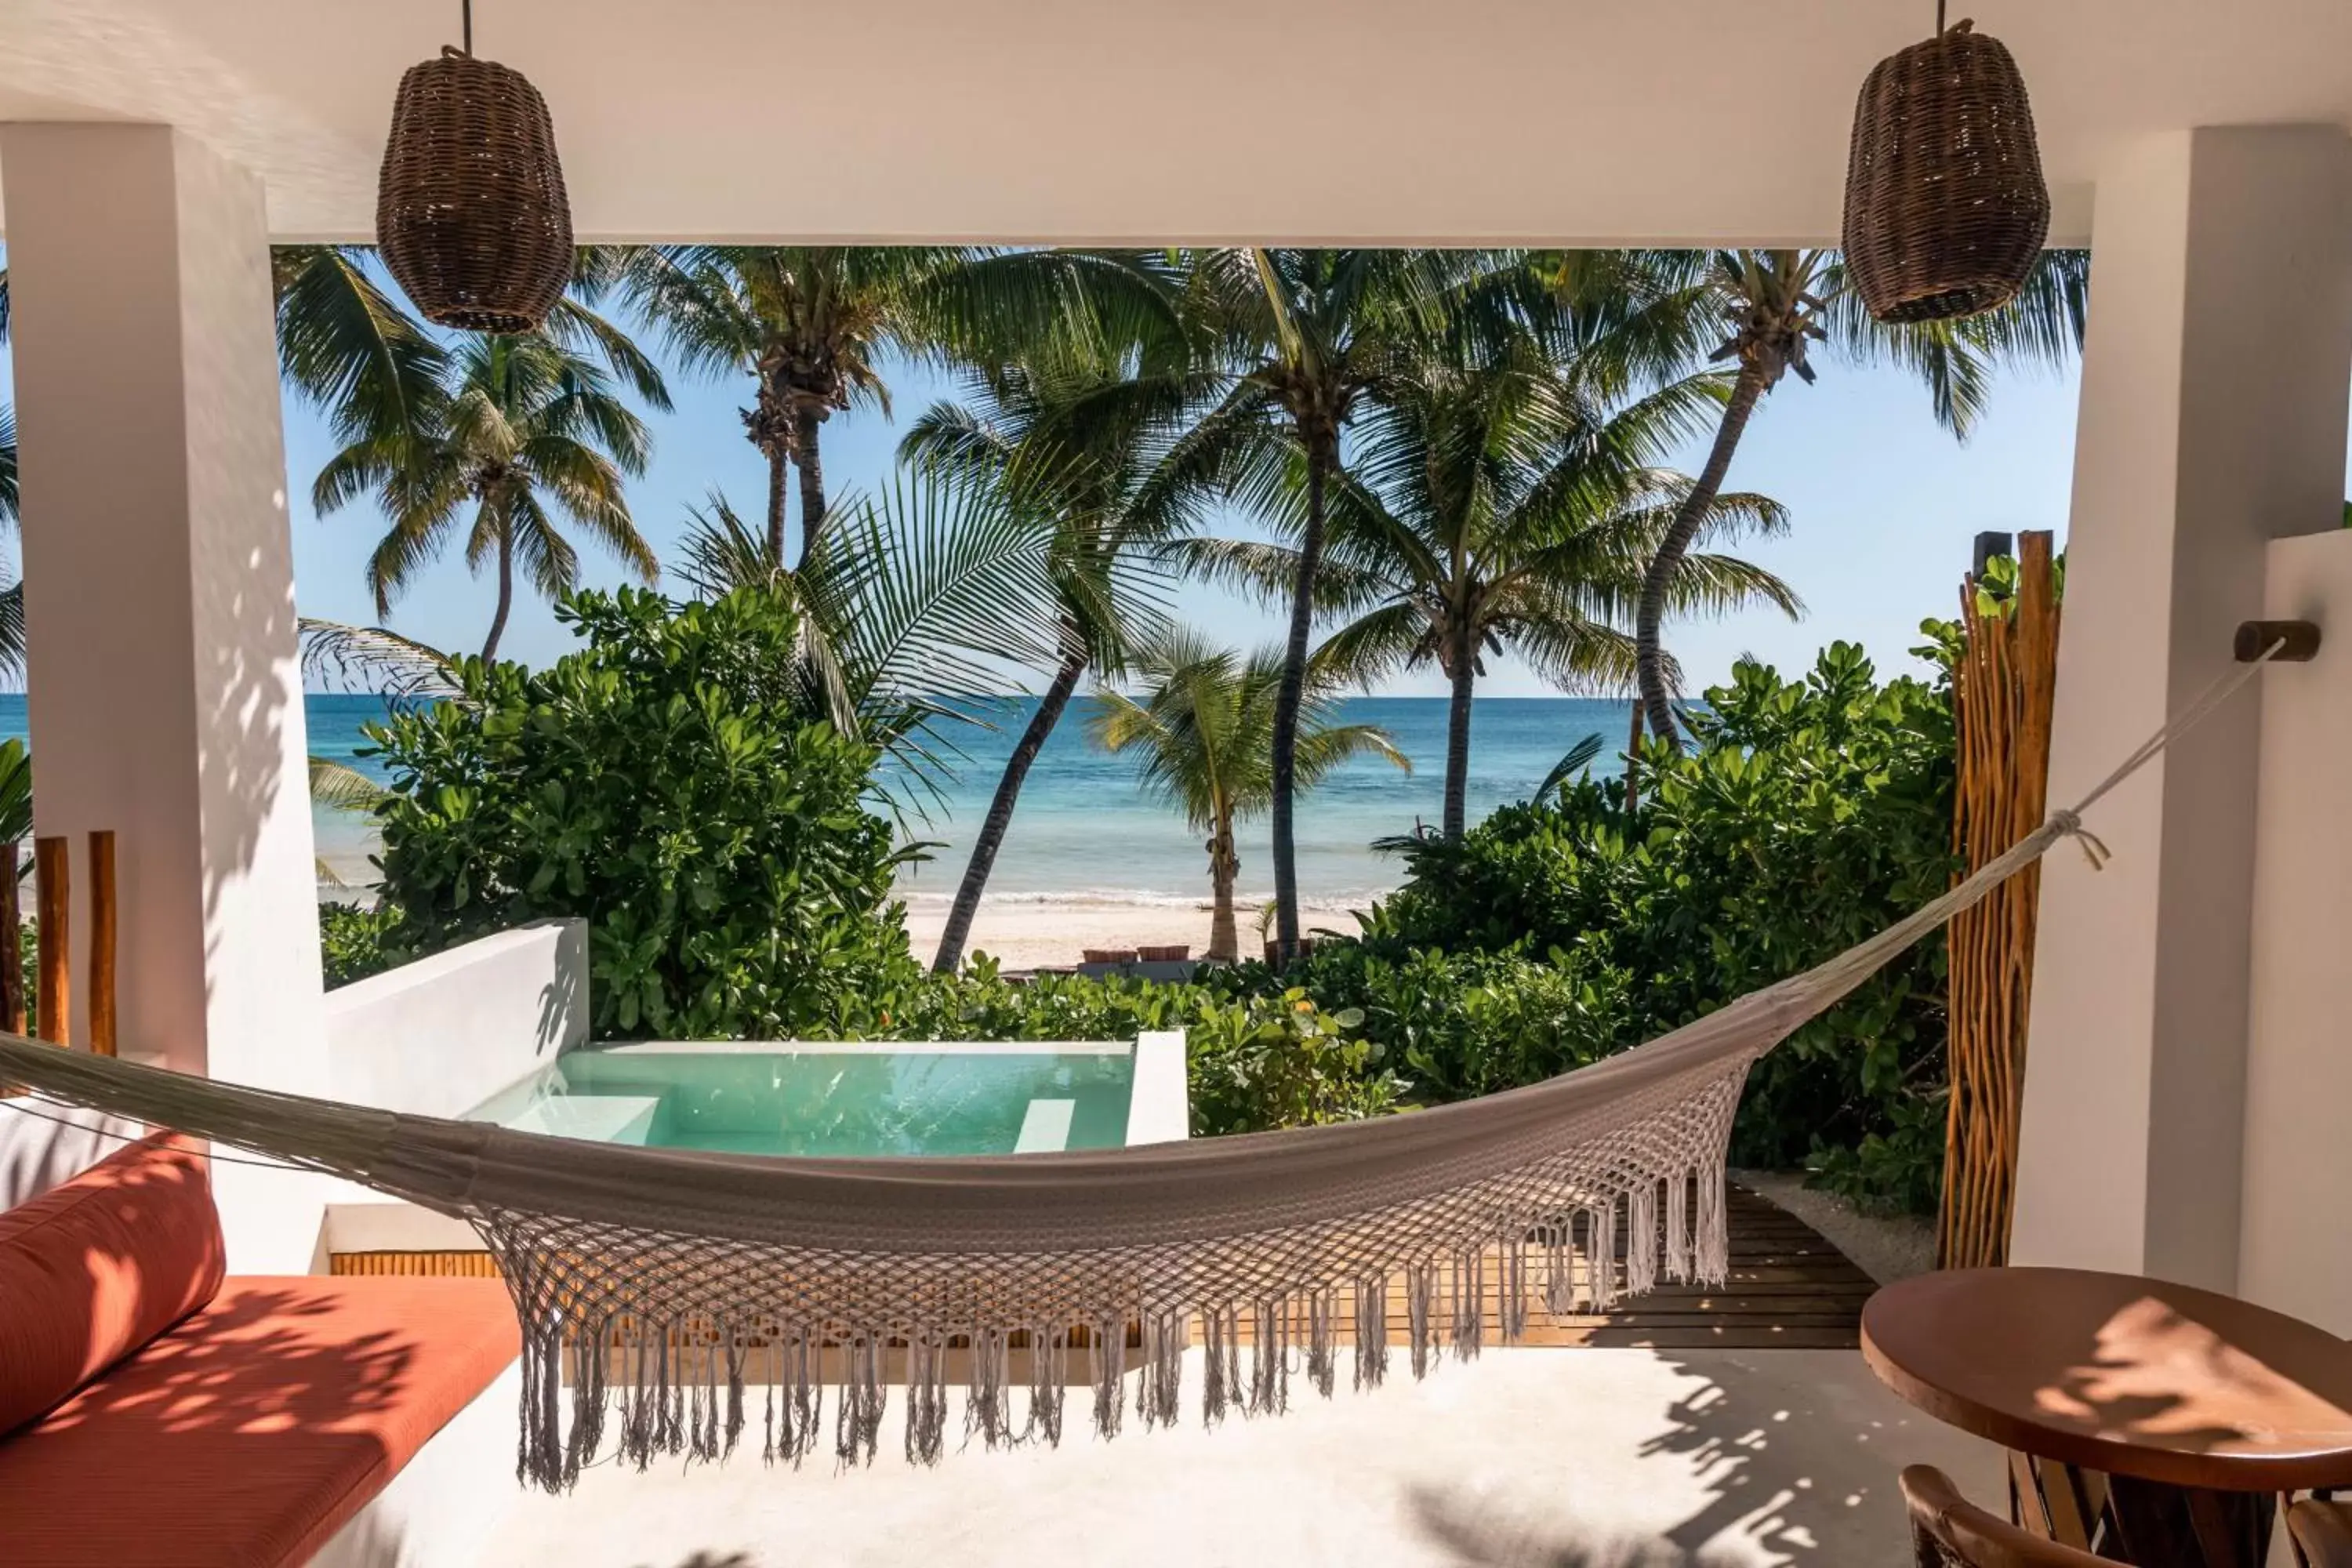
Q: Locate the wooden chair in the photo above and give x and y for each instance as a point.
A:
(1950, 1532)
(2322, 1530)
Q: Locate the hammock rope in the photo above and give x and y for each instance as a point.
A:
(655, 1286)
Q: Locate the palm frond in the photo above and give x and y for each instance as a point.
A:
(343, 787)
(372, 659)
(1570, 766)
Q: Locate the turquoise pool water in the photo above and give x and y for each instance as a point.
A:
(762, 1100)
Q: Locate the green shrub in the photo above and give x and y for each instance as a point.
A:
(668, 784)
(355, 943)
(1255, 1061)
(1807, 815)
(1282, 1060)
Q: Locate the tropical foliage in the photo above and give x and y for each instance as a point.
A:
(529, 432)
(671, 783)
(1808, 815)
(1085, 447)
(916, 606)
(1510, 507)
(1762, 310)
(1200, 740)
(816, 326)
(1307, 336)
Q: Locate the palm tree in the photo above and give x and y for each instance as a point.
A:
(1768, 307)
(1086, 447)
(528, 425)
(1203, 740)
(1307, 335)
(941, 584)
(1510, 508)
(350, 350)
(816, 326)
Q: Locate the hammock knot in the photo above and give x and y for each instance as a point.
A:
(2069, 825)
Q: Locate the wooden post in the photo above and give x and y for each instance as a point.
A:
(12, 936)
(2001, 693)
(52, 862)
(101, 942)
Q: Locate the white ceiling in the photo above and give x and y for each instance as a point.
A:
(1557, 120)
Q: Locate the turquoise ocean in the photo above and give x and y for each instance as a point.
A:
(1085, 829)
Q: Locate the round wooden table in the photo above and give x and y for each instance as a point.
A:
(2154, 1424)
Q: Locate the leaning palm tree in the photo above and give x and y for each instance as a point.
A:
(1087, 448)
(1203, 740)
(1509, 509)
(533, 431)
(1767, 307)
(816, 326)
(1307, 335)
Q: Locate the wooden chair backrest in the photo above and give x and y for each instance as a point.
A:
(2322, 1530)
(1950, 1532)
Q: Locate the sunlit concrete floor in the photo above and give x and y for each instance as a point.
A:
(1537, 1458)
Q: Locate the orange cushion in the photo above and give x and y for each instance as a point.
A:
(97, 1266)
(256, 1429)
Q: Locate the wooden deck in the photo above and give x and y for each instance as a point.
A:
(1789, 1289)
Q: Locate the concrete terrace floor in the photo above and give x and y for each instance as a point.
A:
(1531, 1458)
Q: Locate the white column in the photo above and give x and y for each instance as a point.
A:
(2213, 420)
(164, 692)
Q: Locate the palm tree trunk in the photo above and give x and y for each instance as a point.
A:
(506, 595)
(999, 820)
(1648, 663)
(1225, 937)
(1288, 699)
(812, 465)
(1457, 740)
(1632, 762)
(780, 469)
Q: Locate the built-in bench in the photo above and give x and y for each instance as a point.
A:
(153, 1411)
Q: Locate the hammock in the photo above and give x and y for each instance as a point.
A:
(654, 1286)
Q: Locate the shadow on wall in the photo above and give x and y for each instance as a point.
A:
(565, 995)
(1795, 1472)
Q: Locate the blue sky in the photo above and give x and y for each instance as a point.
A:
(1885, 504)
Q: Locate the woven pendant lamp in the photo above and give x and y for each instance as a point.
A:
(470, 210)
(1946, 208)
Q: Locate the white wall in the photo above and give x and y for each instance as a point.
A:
(2213, 421)
(1159, 1108)
(2298, 1168)
(42, 1144)
(438, 1036)
(165, 697)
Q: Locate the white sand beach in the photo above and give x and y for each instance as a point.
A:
(1035, 933)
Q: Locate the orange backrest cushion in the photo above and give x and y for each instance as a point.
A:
(94, 1268)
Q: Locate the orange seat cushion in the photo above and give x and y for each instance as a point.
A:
(97, 1266)
(253, 1432)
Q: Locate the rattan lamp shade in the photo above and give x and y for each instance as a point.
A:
(470, 213)
(1946, 208)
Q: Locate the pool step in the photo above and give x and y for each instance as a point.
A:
(599, 1118)
(1045, 1128)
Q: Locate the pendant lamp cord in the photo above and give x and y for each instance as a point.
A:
(468, 10)
(1939, 23)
